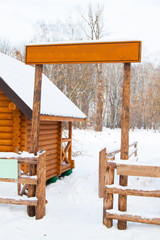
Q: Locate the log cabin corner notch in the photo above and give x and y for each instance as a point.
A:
(16, 100)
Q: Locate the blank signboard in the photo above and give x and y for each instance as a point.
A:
(9, 168)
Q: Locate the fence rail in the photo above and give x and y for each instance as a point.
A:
(39, 180)
(104, 156)
(107, 188)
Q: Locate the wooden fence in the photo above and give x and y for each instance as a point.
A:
(126, 169)
(104, 156)
(38, 180)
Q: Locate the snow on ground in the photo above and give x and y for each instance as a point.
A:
(74, 210)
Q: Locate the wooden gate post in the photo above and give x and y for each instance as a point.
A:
(35, 130)
(122, 202)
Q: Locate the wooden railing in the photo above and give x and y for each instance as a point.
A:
(127, 168)
(39, 180)
(104, 156)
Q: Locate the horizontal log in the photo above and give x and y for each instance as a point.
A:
(6, 116)
(4, 98)
(6, 142)
(6, 135)
(5, 110)
(138, 170)
(134, 192)
(4, 103)
(46, 147)
(50, 167)
(18, 201)
(132, 218)
(6, 148)
(6, 123)
(51, 162)
(43, 132)
(48, 137)
(6, 129)
(51, 172)
(49, 122)
(49, 176)
(52, 151)
(66, 167)
(45, 127)
(51, 156)
(48, 142)
(23, 180)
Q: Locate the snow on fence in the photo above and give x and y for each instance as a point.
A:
(39, 180)
(107, 188)
(104, 156)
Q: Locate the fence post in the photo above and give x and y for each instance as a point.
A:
(108, 198)
(102, 170)
(41, 186)
(135, 153)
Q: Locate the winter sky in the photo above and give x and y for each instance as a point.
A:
(124, 19)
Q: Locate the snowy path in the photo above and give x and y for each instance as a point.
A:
(74, 210)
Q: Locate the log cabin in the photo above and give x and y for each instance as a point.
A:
(16, 104)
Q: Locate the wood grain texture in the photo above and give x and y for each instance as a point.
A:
(91, 52)
(136, 170)
(122, 201)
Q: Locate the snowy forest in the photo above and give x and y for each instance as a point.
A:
(97, 88)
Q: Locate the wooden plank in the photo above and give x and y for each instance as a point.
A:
(102, 172)
(91, 52)
(23, 180)
(122, 201)
(61, 119)
(127, 217)
(138, 170)
(41, 187)
(35, 129)
(133, 192)
(18, 201)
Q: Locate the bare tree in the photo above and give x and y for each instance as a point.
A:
(93, 30)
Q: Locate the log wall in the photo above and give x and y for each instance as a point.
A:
(15, 135)
(49, 136)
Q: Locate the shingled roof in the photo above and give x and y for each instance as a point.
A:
(17, 83)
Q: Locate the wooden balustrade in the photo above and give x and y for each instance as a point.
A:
(107, 188)
(39, 180)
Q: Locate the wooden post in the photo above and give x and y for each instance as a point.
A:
(108, 198)
(102, 171)
(122, 203)
(35, 129)
(135, 153)
(70, 137)
(41, 186)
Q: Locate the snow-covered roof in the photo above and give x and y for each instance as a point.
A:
(19, 79)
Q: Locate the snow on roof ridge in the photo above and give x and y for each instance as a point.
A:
(20, 78)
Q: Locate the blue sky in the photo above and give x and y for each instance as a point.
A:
(124, 19)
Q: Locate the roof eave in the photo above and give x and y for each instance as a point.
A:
(61, 119)
(23, 107)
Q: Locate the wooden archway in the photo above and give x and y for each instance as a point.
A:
(89, 52)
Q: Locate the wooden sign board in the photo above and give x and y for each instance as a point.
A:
(138, 170)
(9, 168)
(91, 52)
